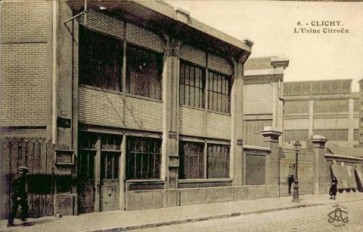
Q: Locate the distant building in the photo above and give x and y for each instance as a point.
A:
(327, 108)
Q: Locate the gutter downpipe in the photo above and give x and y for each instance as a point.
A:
(54, 72)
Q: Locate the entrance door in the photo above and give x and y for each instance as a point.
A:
(99, 172)
(109, 183)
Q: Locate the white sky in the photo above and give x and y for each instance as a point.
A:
(270, 24)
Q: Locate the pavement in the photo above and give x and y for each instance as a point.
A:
(139, 219)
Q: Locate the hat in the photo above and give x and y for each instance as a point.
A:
(24, 169)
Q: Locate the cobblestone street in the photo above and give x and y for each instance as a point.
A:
(302, 219)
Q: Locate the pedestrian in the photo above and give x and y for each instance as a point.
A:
(19, 196)
(333, 188)
(290, 180)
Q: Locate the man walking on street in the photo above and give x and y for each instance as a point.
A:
(19, 196)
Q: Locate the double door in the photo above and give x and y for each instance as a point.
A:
(99, 173)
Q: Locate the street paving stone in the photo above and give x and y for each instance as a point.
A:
(299, 219)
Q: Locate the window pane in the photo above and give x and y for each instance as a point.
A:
(100, 60)
(143, 158)
(144, 69)
(86, 164)
(219, 92)
(191, 160)
(218, 161)
(191, 85)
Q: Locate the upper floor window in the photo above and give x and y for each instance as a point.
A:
(100, 60)
(219, 92)
(144, 71)
(192, 85)
(100, 65)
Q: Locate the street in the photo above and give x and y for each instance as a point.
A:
(343, 217)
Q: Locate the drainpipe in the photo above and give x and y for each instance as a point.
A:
(54, 72)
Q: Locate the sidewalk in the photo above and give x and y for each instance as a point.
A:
(128, 220)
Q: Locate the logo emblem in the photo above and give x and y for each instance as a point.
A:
(338, 216)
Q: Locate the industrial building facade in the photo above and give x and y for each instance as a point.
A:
(118, 105)
(124, 105)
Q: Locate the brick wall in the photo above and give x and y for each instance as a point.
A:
(24, 21)
(23, 62)
(143, 37)
(193, 55)
(103, 23)
(105, 108)
(144, 114)
(218, 126)
(258, 99)
(115, 27)
(192, 122)
(219, 64)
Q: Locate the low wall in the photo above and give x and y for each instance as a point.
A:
(148, 199)
(141, 199)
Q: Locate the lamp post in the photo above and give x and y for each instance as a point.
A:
(297, 146)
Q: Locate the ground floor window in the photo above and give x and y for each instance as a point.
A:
(203, 160)
(110, 150)
(218, 161)
(143, 158)
(191, 160)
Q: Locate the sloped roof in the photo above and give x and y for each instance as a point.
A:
(333, 148)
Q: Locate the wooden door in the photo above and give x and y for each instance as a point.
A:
(109, 183)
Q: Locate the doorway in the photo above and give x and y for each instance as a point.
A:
(99, 172)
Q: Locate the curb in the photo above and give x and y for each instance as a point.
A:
(219, 216)
(204, 218)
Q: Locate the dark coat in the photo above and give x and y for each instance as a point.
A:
(18, 187)
(333, 187)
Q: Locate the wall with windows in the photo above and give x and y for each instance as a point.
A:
(121, 86)
(205, 82)
(327, 107)
(110, 93)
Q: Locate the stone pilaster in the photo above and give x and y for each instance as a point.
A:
(320, 179)
(236, 127)
(272, 161)
(170, 148)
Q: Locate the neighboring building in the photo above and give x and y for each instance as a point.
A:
(327, 108)
(304, 111)
(263, 100)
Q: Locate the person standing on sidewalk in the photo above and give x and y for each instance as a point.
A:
(290, 181)
(333, 188)
(19, 196)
